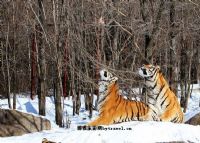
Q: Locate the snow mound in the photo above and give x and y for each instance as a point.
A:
(132, 132)
(129, 132)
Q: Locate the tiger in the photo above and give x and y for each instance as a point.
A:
(160, 97)
(114, 108)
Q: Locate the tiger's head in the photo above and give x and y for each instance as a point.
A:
(106, 79)
(148, 71)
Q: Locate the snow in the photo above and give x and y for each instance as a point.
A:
(193, 105)
(139, 132)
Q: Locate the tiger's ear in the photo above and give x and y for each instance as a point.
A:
(158, 67)
(116, 78)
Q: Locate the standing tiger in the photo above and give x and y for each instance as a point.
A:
(113, 108)
(160, 97)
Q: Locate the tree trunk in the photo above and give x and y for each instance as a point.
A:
(150, 37)
(144, 14)
(78, 87)
(14, 58)
(58, 103)
(90, 103)
(78, 101)
(42, 90)
(115, 53)
(188, 83)
(73, 92)
(8, 70)
(2, 66)
(59, 90)
(14, 75)
(99, 35)
(183, 68)
(65, 77)
(33, 68)
(172, 74)
(8, 79)
(87, 94)
(58, 53)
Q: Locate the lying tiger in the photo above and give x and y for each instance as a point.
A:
(160, 97)
(113, 108)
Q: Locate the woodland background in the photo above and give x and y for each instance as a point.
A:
(57, 47)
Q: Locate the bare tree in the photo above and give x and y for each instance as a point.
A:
(8, 77)
(42, 89)
(14, 49)
(58, 44)
(172, 47)
(33, 67)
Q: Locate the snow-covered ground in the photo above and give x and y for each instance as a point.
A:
(129, 132)
(194, 103)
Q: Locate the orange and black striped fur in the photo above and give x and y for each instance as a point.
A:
(113, 108)
(160, 97)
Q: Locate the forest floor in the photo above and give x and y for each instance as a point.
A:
(129, 132)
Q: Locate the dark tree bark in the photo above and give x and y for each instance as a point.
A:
(65, 76)
(188, 85)
(149, 37)
(73, 92)
(144, 14)
(42, 90)
(90, 103)
(8, 78)
(58, 103)
(98, 57)
(14, 77)
(78, 95)
(172, 66)
(86, 101)
(58, 43)
(183, 68)
(14, 56)
(33, 68)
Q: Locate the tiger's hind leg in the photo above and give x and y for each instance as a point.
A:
(169, 116)
(166, 116)
(99, 121)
